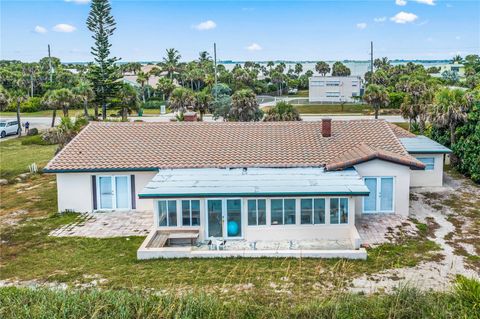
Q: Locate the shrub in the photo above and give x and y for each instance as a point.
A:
(153, 104)
(282, 111)
(32, 131)
(396, 99)
(35, 139)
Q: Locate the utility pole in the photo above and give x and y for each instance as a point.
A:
(50, 64)
(371, 58)
(215, 64)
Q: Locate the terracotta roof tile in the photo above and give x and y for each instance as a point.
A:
(141, 145)
(400, 132)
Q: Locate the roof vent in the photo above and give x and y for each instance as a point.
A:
(326, 127)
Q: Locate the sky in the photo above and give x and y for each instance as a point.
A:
(246, 30)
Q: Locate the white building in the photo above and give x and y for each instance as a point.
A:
(247, 183)
(335, 89)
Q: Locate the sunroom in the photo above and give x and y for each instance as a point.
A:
(253, 212)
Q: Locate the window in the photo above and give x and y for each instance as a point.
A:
(380, 198)
(354, 83)
(190, 213)
(317, 83)
(312, 211)
(333, 83)
(338, 210)
(429, 162)
(167, 213)
(333, 94)
(257, 212)
(283, 211)
(113, 192)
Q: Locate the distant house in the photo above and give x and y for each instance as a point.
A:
(247, 182)
(131, 78)
(457, 68)
(334, 89)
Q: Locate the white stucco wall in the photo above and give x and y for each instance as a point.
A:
(74, 190)
(401, 174)
(428, 177)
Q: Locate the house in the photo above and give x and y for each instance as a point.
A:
(334, 89)
(247, 183)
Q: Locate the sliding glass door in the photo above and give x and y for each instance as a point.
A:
(113, 192)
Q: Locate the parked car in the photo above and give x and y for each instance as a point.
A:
(8, 127)
(293, 91)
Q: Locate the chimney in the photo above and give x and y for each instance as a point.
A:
(326, 127)
(190, 116)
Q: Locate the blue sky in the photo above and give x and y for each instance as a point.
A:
(247, 30)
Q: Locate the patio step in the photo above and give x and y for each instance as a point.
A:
(158, 240)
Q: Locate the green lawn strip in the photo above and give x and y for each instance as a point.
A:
(15, 157)
(339, 109)
(403, 125)
(461, 302)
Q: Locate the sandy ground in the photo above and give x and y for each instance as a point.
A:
(437, 275)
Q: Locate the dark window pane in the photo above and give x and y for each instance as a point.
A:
(195, 207)
(252, 212)
(262, 212)
(343, 210)
(319, 211)
(172, 213)
(277, 211)
(162, 213)
(334, 210)
(185, 213)
(306, 211)
(289, 211)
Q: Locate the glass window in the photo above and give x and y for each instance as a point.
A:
(334, 209)
(343, 210)
(167, 213)
(190, 212)
(319, 211)
(277, 211)
(429, 162)
(386, 194)
(289, 211)
(121, 191)
(333, 94)
(306, 210)
(370, 201)
(257, 214)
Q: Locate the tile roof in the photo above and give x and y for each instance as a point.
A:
(400, 132)
(142, 146)
(363, 153)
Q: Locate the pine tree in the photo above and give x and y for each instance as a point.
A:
(104, 73)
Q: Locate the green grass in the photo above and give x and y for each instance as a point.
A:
(74, 112)
(331, 108)
(403, 125)
(461, 302)
(15, 157)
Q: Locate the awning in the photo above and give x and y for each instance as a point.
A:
(253, 182)
(422, 144)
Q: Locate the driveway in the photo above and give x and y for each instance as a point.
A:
(40, 123)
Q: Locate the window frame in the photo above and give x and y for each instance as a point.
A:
(190, 212)
(256, 212)
(312, 199)
(168, 218)
(114, 190)
(423, 158)
(283, 210)
(378, 196)
(339, 199)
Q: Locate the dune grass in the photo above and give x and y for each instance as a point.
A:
(461, 302)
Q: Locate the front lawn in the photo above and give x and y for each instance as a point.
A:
(15, 157)
(360, 109)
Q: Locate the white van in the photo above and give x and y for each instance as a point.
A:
(8, 127)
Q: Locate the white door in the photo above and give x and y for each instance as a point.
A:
(114, 192)
(381, 197)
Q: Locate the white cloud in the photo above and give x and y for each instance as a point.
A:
(400, 2)
(206, 25)
(404, 17)
(78, 1)
(63, 27)
(254, 47)
(429, 2)
(40, 29)
(361, 25)
(380, 19)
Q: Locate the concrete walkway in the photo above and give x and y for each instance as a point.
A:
(108, 224)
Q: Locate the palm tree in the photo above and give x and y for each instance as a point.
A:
(181, 99)
(204, 57)
(449, 110)
(171, 61)
(202, 102)
(298, 69)
(322, 67)
(282, 111)
(457, 59)
(18, 96)
(376, 96)
(142, 79)
(61, 98)
(84, 92)
(166, 86)
(129, 100)
(245, 106)
(4, 98)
